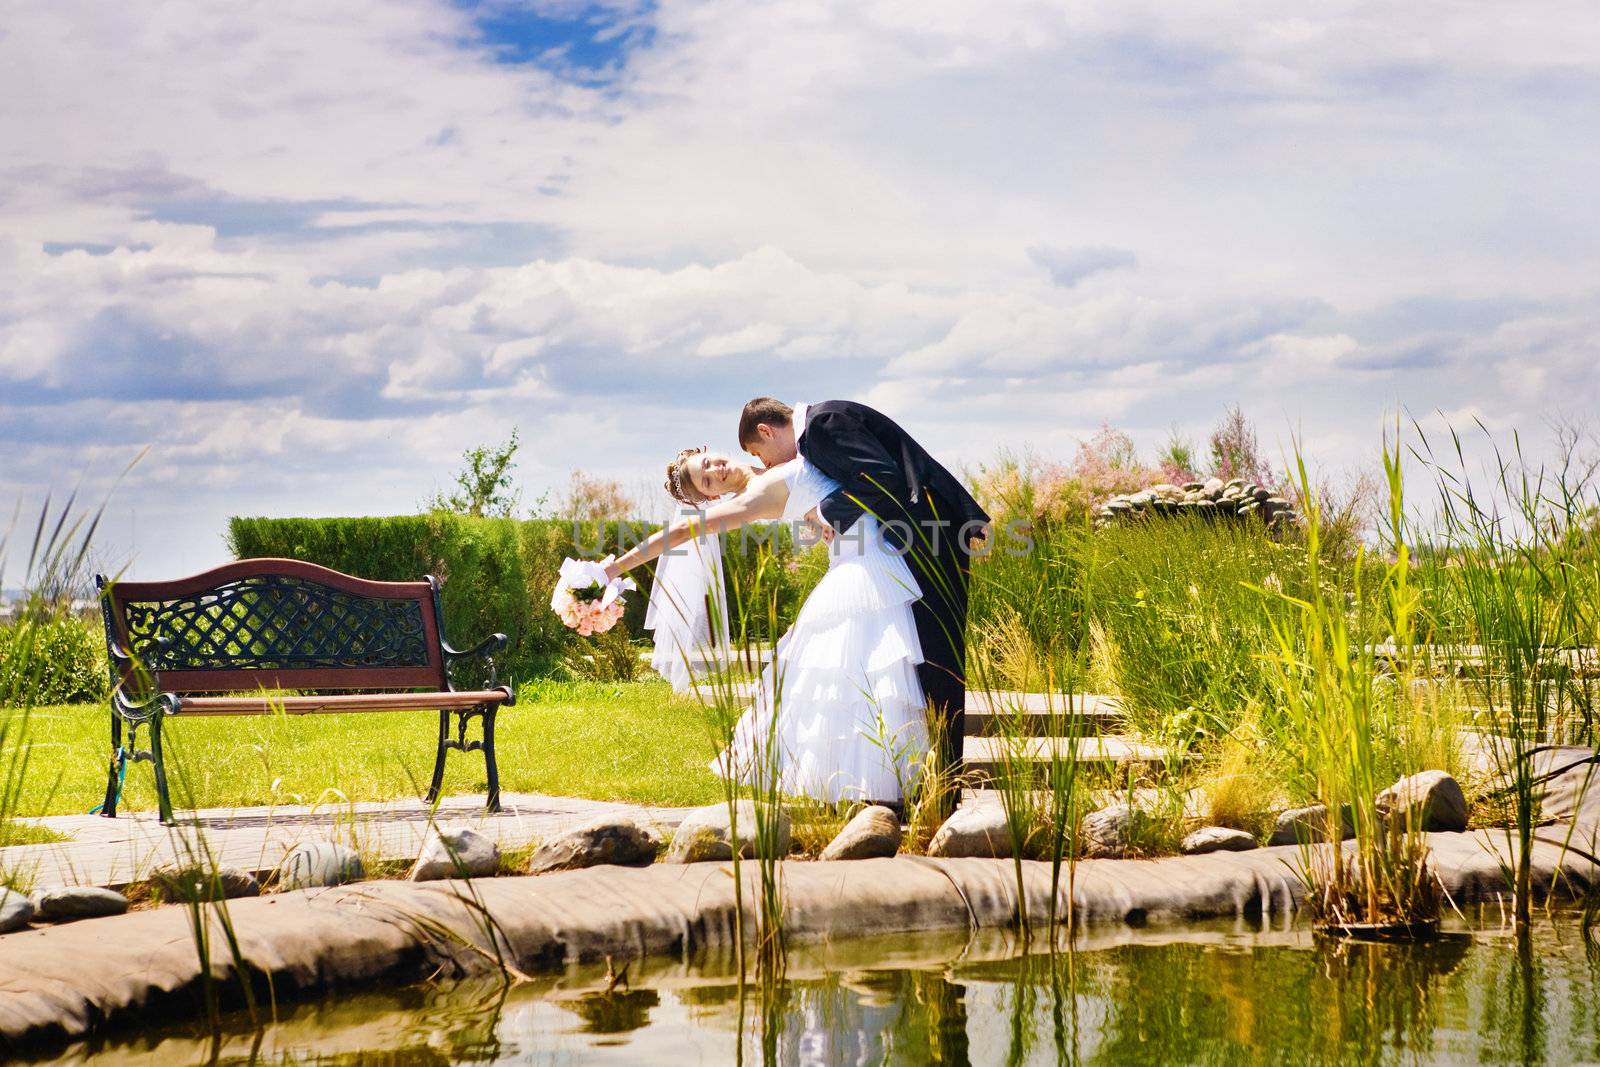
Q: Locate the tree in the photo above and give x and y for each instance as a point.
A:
(484, 486)
(1236, 452)
(1176, 461)
(594, 499)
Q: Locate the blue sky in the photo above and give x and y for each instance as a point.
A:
(310, 253)
(584, 42)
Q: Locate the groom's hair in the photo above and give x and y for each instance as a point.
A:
(762, 409)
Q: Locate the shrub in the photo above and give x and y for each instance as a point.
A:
(57, 659)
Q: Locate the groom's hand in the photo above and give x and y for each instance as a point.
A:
(814, 517)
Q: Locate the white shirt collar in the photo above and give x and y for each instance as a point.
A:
(799, 420)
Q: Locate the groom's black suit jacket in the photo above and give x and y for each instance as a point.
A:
(925, 512)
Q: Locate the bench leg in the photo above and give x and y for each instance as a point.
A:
(492, 769)
(109, 808)
(438, 759)
(163, 800)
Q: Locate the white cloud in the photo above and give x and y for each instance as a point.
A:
(332, 246)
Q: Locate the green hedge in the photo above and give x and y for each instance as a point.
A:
(497, 573)
(59, 659)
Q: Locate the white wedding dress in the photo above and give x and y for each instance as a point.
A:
(843, 680)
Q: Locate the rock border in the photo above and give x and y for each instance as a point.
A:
(60, 984)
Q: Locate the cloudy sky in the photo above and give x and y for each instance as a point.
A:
(310, 251)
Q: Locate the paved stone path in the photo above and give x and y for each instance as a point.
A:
(114, 852)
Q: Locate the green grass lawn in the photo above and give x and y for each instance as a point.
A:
(631, 741)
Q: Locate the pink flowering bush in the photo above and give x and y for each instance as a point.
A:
(1106, 464)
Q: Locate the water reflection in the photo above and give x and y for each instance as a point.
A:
(1215, 994)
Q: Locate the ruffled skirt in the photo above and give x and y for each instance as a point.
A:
(838, 714)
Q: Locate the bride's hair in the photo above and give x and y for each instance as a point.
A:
(679, 485)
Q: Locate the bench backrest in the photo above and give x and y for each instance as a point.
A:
(273, 624)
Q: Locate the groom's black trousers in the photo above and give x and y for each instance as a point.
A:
(943, 568)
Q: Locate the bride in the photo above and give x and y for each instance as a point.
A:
(843, 682)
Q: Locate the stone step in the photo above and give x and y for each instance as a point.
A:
(1041, 713)
(984, 755)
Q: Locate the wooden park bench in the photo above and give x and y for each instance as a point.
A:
(226, 642)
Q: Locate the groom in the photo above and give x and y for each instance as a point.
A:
(924, 510)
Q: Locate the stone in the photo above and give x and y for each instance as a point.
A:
(455, 852)
(16, 910)
(1308, 823)
(183, 884)
(1104, 833)
(705, 835)
(1432, 800)
(609, 840)
(1217, 839)
(973, 830)
(319, 863)
(1193, 487)
(67, 903)
(1212, 487)
(873, 832)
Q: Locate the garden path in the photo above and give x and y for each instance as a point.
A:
(114, 852)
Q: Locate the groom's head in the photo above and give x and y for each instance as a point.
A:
(766, 431)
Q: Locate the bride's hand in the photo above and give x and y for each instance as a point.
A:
(613, 572)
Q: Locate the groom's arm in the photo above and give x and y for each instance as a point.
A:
(869, 478)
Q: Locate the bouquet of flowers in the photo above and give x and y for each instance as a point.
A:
(585, 600)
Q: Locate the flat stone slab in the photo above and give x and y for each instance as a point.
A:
(984, 754)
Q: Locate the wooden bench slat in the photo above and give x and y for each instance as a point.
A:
(310, 705)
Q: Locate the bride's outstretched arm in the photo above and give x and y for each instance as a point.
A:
(762, 501)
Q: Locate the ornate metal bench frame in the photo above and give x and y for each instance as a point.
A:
(220, 642)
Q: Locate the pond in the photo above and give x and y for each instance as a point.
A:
(1209, 993)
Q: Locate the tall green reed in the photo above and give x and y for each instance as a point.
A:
(1038, 779)
(1524, 595)
(53, 573)
(749, 591)
(1346, 728)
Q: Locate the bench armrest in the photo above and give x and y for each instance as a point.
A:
(490, 644)
(483, 650)
(137, 711)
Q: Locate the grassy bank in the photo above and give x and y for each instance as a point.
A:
(628, 741)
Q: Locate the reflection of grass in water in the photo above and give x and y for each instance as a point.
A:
(1208, 993)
